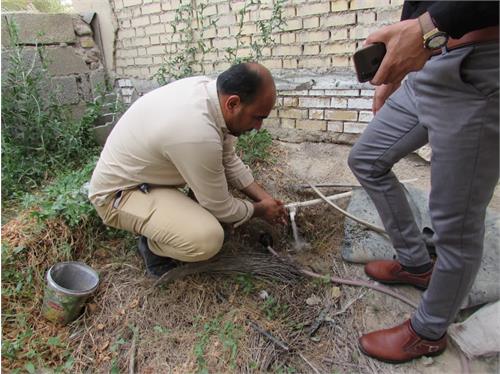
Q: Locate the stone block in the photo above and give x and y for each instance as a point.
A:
(365, 116)
(293, 92)
(311, 49)
(43, 28)
(338, 48)
(66, 89)
(314, 63)
(272, 122)
(155, 29)
(310, 23)
(366, 17)
(285, 50)
(316, 92)
(365, 4)
(316, 114)
(288, 123)
(64, 61)
(361, 32)
(338, 103)
(340, 61)
(85, 87)
(338, 34)
(335, 126)
(129, 3)
(293, 24)
(289, 12)
(293, 113)
(291, 63)
(102, 132)
(389, 15)
(314, 102)
(97, 79)
(354, 127)
(341, 115)
(338, 19)
(360, 103)
(306, 124)
(313, 36)
(151, 8)
(290, 101)
(287, 38)
(310, 9)
(224, 43)
(156, 50)
(339, 5)
(342, 92)
(78, 110)
(82, 28)
(87, 42)
(140, 21)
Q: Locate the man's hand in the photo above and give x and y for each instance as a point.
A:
(272, 210)
(405, 51)
(382, 93)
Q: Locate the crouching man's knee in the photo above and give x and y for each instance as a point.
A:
(205, 243)
(354, 161)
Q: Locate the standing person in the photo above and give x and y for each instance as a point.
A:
(184, 134)
(451, 101)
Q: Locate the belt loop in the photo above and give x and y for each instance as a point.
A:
(444, 49)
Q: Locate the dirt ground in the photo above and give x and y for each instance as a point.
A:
(229, 322)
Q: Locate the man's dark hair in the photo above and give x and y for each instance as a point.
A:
(240, 80)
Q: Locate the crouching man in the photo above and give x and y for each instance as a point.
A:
(183, 134)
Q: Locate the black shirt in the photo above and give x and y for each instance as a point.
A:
(456, 18)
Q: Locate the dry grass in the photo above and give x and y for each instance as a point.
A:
(203, 322)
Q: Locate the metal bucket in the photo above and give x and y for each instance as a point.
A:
(69, 284)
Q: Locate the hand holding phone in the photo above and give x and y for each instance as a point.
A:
(367, 60)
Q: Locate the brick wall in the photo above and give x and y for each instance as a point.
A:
(311, 60)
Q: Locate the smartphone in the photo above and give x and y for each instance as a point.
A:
(367, 60)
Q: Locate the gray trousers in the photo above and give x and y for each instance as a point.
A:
(452, 103)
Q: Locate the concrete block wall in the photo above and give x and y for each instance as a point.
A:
(311, 55)
(72, 55)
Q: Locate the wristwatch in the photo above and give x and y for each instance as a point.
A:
(433, 38)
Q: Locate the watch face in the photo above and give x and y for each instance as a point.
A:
(437, 41)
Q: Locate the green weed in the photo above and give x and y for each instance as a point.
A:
(273, 309)
(228, 334)
(254, 146)
(64, 198)
(246, 283)
(39, 136)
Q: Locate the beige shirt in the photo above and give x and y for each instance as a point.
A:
(173, 136)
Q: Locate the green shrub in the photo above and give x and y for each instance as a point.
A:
(39, 138)
(254, 146)
(66, 198)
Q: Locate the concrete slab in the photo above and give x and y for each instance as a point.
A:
(65, 61)
(66, 89)
(43, 28)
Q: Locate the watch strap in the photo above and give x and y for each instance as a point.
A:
(426, 23)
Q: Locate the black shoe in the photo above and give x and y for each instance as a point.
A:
(156, 265)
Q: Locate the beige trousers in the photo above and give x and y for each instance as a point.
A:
(175, 225)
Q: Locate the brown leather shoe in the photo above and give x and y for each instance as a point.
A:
(399, 344)
(391, 272)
